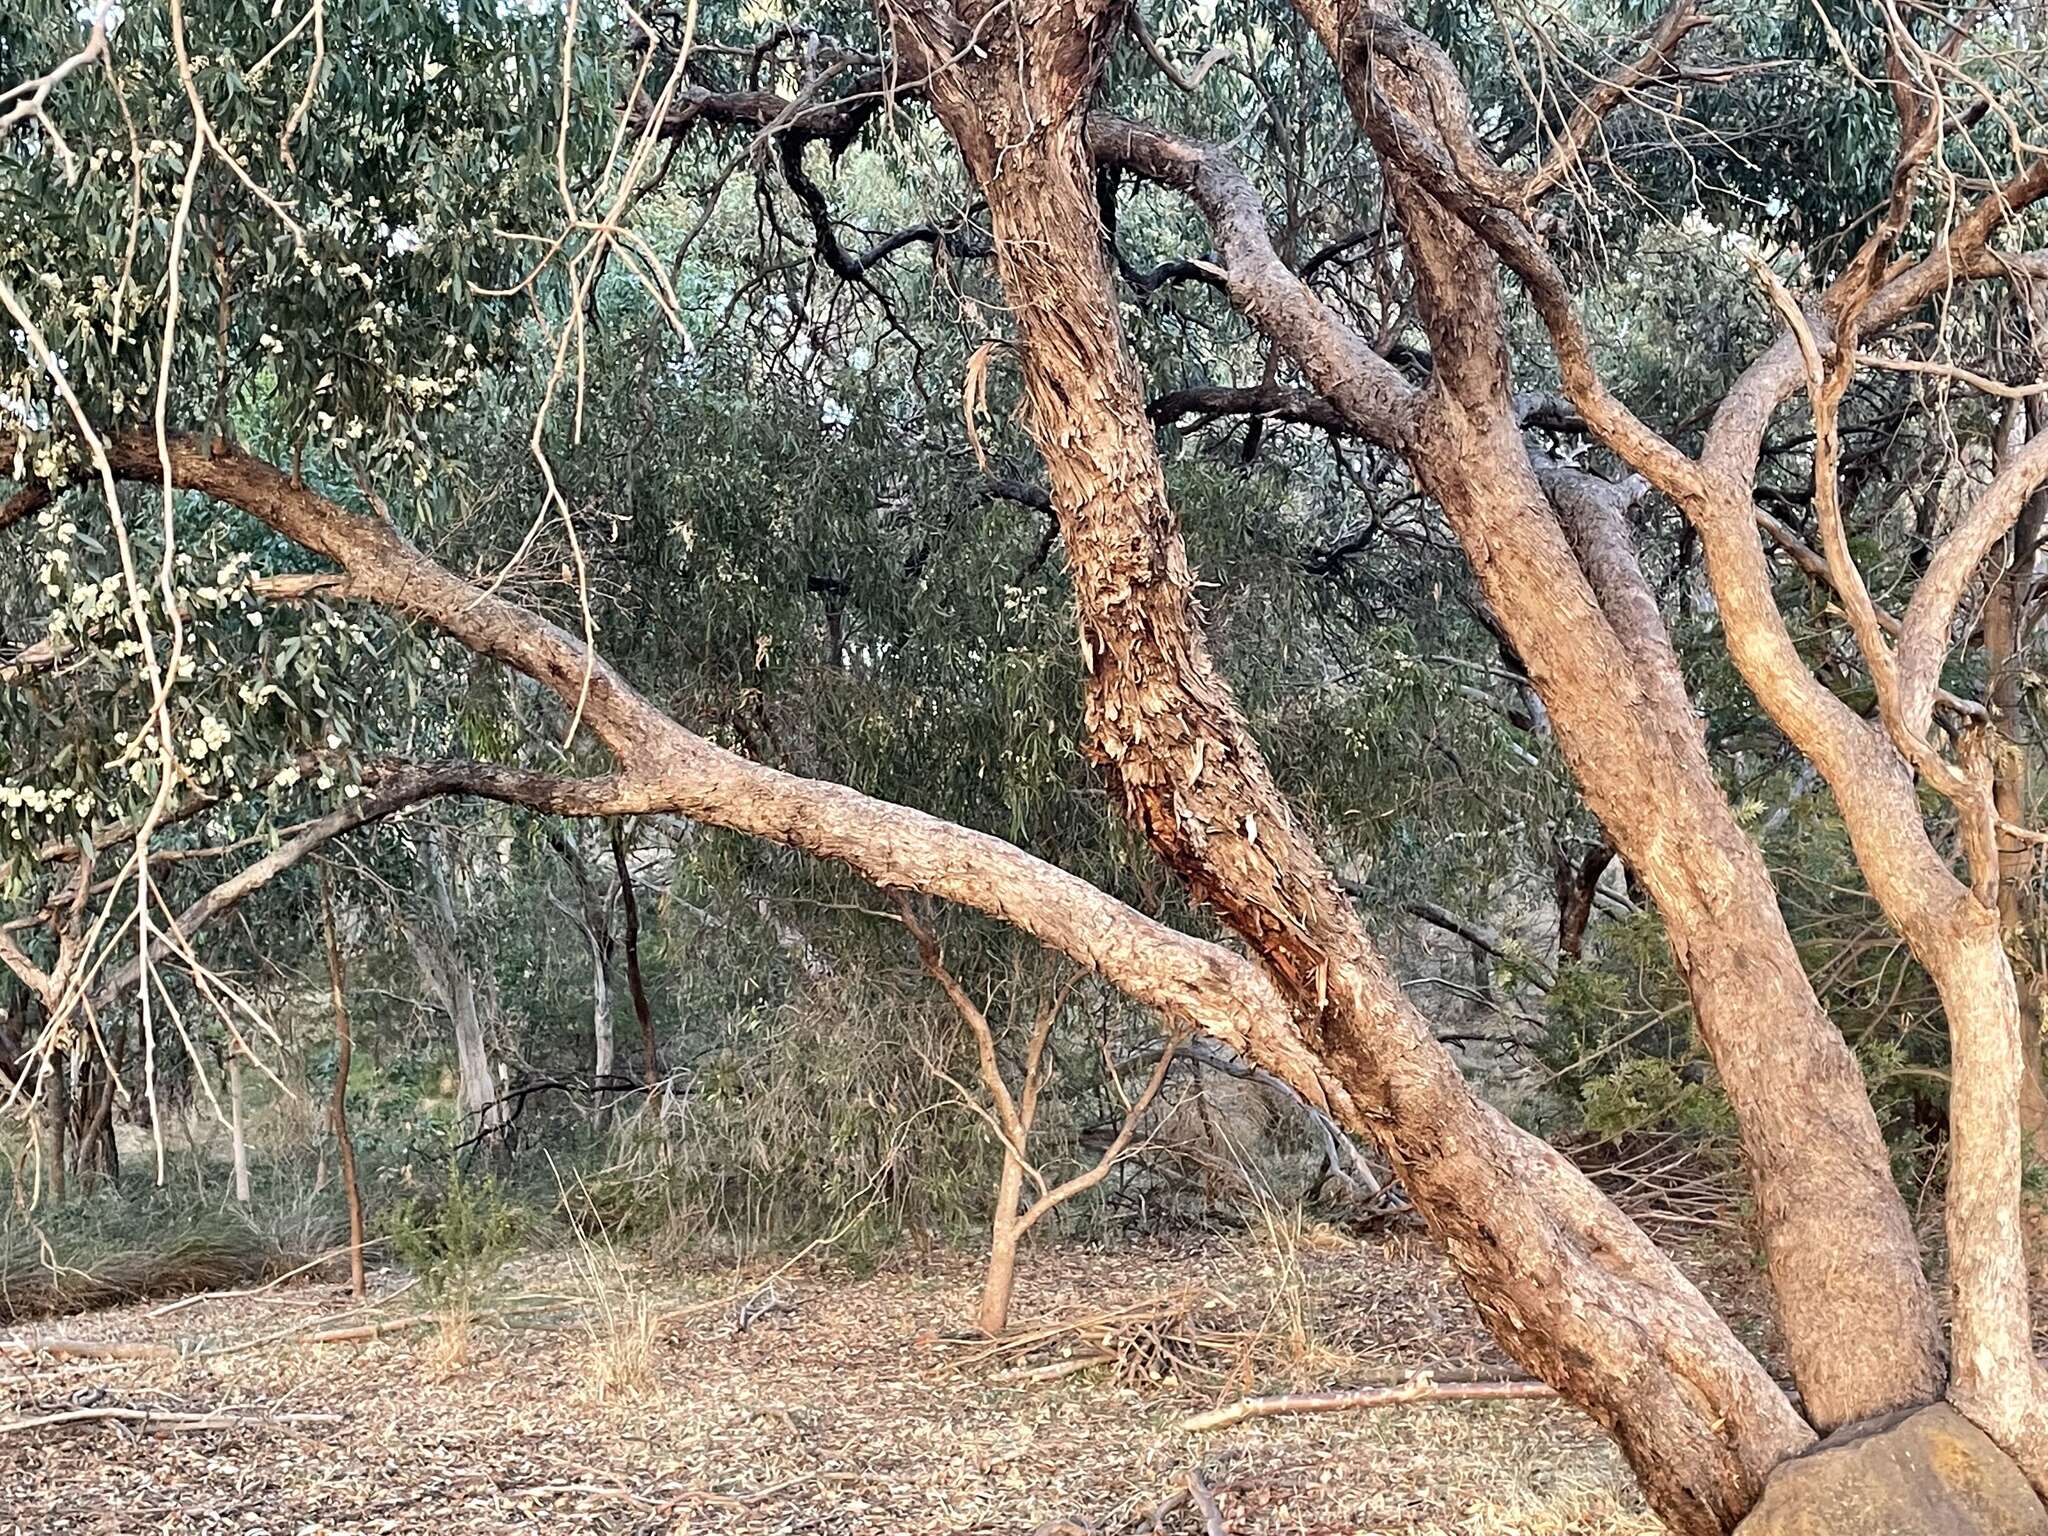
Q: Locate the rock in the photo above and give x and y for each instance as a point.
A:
(1923, 1472)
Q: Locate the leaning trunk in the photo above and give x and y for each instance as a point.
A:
(1572, 1290)
(1861, 1332)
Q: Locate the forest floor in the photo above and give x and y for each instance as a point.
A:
(809, 1401)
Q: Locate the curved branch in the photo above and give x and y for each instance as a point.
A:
(667, 768)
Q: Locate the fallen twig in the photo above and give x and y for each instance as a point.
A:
(1205, 1501)
(1422, 1389)
(157, 1418)
(1055, 1371)
(89, 1349)
(255, 1290)
(363, 1332)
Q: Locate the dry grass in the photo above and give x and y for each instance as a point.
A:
(847, 1413)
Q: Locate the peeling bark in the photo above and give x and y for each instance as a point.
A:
(1625, 1337)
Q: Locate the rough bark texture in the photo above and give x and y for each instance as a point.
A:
(1621, 1334)
(1407, 96)
(2008, 624)
(1554, 557)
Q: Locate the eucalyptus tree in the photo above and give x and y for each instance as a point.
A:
(271, 310)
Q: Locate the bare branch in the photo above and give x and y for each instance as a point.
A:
(1659, 49)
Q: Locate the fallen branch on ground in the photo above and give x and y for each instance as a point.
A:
(1422, 1389)
(157, 1418)
(256, 1290)
(1205, 1501)
(89, 1349)
(363, 1332)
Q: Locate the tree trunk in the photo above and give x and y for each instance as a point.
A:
(1577, 880)
(1565, 585)
(602, 1048)
(1000, 1281)
(239, 1147)
(337, 1105)
(2006, 626)
(56, 1121)
(1572, 1290)
(436, 948)
(96, 1153)
(596, 922)
(629, 905)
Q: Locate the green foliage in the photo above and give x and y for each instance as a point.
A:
(1647, 1093)
(456, 1238)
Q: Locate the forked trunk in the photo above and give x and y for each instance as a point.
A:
(1569, 1286)
(1856, 1309)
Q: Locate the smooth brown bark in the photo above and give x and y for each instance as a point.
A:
(1015, 1116)
(999, 1281)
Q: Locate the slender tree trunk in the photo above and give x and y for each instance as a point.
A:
(629, 904)
(596, 922)
(603, 1051)
(436, 946)
(239, 1147)
(56, 1121)
(1621, 1333)
(97, 1151)
(1000, 1282)
(337, 1105)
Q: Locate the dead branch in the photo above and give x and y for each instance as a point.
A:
(158, 1418)
(88, 1349)
(1205, 1501)
(1422, 1389)
(364, 1332)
